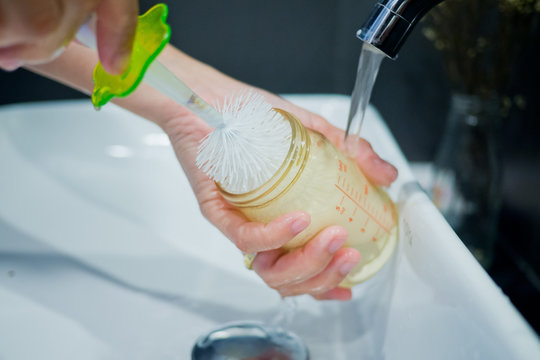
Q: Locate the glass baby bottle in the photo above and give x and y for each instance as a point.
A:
(318, 178)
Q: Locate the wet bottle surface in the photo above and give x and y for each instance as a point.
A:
(318, 178)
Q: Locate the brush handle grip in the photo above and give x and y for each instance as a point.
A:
(160, 78)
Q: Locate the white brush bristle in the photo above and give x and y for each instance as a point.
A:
(248, 148)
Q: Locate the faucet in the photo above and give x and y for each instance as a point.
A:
(391, 22)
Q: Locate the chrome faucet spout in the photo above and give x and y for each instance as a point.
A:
(391, 22)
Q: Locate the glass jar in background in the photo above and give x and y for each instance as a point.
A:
(318, 178)
(467, 173)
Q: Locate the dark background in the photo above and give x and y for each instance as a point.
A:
(309, 46)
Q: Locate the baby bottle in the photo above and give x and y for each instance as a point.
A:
(318, 178)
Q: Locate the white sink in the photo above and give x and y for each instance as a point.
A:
(105, 255)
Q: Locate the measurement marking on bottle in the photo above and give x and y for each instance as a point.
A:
(342, 166)
(353, 213)
(362, 208)
(340, 207)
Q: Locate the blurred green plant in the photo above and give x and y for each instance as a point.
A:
(483, 42)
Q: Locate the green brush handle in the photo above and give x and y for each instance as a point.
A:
(152, 35)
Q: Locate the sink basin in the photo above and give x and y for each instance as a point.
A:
(105, 255)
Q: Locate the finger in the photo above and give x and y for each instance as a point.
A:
(22, 24)
(373, 166)
(376, 169)
(115, 28)
(337, 293)
(278, 269)
(25, 20)
(253, 237)
(10, 57)
(36, 39)
(340, 266)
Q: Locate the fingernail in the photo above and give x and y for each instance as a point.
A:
(393, 170)
(390, 169)
(122, 63)
(299, 225)
(347, 267)
(336, 243)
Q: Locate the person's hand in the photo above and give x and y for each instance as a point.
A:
(33, 32)
(319, 266)
(316, 268)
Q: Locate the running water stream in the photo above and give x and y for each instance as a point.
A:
(368, 67)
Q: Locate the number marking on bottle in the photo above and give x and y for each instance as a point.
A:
(365, 209)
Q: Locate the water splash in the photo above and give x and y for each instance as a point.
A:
(286, 312)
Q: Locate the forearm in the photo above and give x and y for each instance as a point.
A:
(74, 68)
